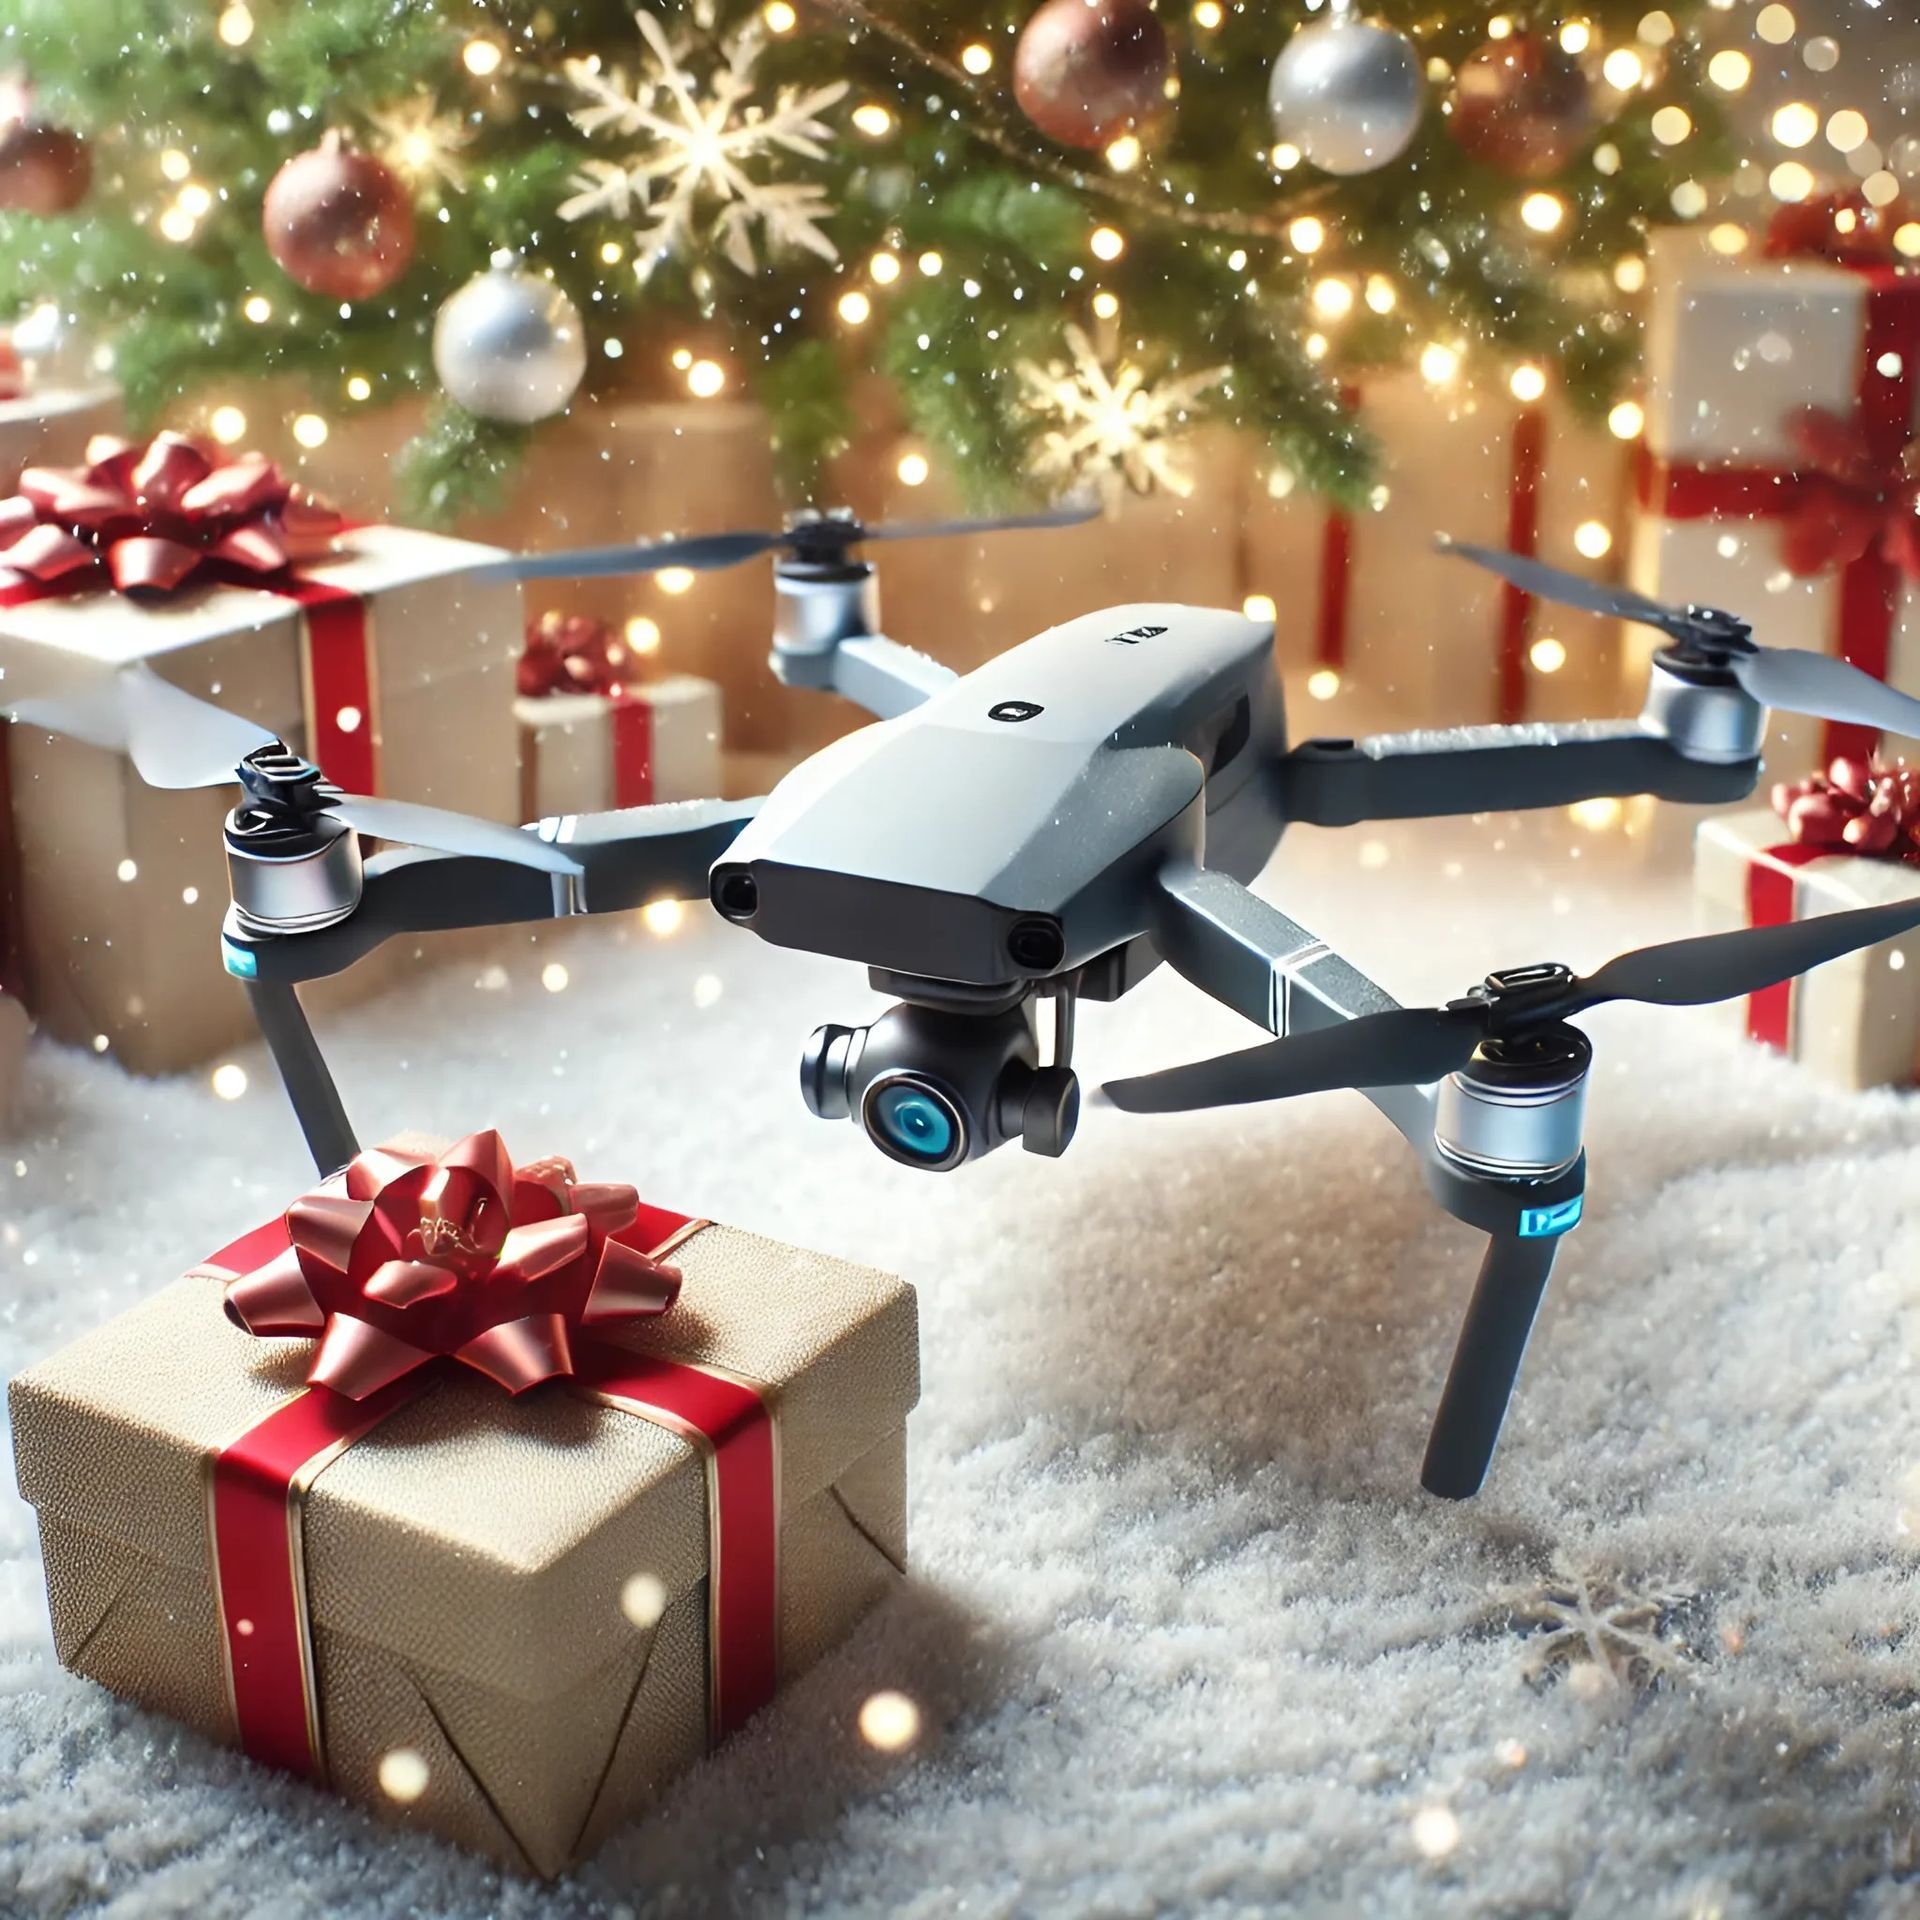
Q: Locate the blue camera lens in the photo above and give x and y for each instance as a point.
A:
(913, 1123)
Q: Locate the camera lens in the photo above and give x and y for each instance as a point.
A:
(914, 1123)
(736, 894)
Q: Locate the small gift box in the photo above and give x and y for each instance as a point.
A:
(1837, 841)
(1415, 636)
(567, 1486)
(368, 648)
(593, 736)
(1779, 473)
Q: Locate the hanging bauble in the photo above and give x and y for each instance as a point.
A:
(1348, 93)
(43, 169)
(1523, 105)
(509, 345)
(1085, 71)
(338, 221)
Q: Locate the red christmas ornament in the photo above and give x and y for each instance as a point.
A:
(1087, 70)
(1521, 105)
(42, 169)
(338, 221)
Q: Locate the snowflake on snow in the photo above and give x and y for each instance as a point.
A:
(1600, 1624)
(1111, 426)
(703, 168)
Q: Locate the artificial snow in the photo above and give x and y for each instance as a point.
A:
(1182, 1632)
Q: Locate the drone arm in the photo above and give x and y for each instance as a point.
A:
(872, 671)
(1407, 776)
(1249, 956)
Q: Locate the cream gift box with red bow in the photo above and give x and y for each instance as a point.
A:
(485, 1496)
(370, 648)
(1855, 1021)
(1776, 479)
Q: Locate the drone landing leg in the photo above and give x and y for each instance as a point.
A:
(316, 1100)
(1473, 1404)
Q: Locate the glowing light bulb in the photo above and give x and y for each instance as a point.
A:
(1656, 29)
(1306, 234)
(1528, 383)
(1208, 14)
(889, 1721)
(1627, 421)
(1438, 363)
(1596, 816)
(1285, 157)
(1123, 154)
(1323, 684)
(1381, 295)
(175, 165)
(779, 16)
(235, 26)
(1500, 27)
(1333, 299)
(230, 1080)
(1576, 36)
(682, 358)
(227, 424)
(1775, 25)
(1730, 70)
(913, 469)
(977, 57)
(662, 918)
(1795, 124)
(884, 269)
(481, 57)
(554, 977)
(612, 253)
(1624, 69)
(1543, 212)
(674, 580)
(873, 120)
(310, 430)
(854, 307)
(705, 378)
(1547, 655)
(930, 264)
(1671, 125)
(1728, 239)
(1907, 239)
(1106, 306)
(1630, 273)
(642, 634)
(1260, 606)
(1846, 132)
(1593, 539)
(1107, 243)
(176, 224)
(1790, 181)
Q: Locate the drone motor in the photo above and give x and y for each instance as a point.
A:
(934, 1089)
(293, 864)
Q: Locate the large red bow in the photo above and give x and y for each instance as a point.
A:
(151, 518)
(1843, 227)
(572, 653)
(466, 1256)
(1847, 499)
(1856, 806)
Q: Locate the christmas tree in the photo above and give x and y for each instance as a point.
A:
(1065, 234)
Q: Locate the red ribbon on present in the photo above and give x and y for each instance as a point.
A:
(1850, 502)
(13, 372)
(1526, 467)
(147, 521)
(406, 1265)
(577, 653)
(1858, 808)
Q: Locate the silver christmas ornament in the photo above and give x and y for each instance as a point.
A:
(1348, 93)
(510, 345)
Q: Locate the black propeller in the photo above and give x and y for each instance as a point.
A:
(823, 538)
(176, 740)
(1787, 679)
(1411, 1046)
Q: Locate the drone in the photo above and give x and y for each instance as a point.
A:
(1054, 826)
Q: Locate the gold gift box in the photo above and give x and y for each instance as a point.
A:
(483, 1573)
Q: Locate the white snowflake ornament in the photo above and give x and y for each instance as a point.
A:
(702, 172)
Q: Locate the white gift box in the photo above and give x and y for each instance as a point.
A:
(1738, 348)
(1854, 1021)
(591, 752)
(121, 889)
(49, 426)
(1423, 638)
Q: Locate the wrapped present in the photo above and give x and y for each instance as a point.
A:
(1777, 479)
(488, 1497)
(365, 647)
(1835, 841)
(594, 735)
(45, 419)
(1412, 636)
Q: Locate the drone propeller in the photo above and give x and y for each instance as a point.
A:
(1411, 1046)
(177, 741)
(821, 537)
(1787, 679)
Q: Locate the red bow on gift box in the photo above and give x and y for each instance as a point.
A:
(13, 372)
(152, 518)
(1841, 226)
(1856, 806)
(572, 653)
(1847, 498)
(465, 1256)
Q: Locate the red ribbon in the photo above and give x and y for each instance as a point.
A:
(1852, 501)
(575, 653)
(13, 372)
(517, 1272)
(1770, 892)
(149, 520)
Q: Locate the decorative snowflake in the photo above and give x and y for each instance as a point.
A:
(1111, 428)
(421, 143)
(1600, 1624)
(701, 159)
